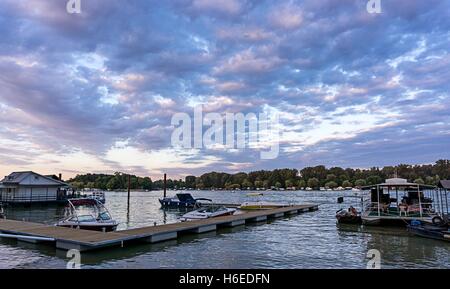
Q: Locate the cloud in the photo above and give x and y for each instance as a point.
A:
(349, 86)
(286, 17)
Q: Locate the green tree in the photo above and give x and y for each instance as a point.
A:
(289, 183)
(430, 180)
(247, 184)
(419, 181)
(373, 180)
(360, 183)
(233, 187)
(112, 184)
(259, 184)
(331, 185)
(313, 183)
(92, 185)
(190, 182)
(347, 184)
(301, 184)
(77, 185)
(331, 177)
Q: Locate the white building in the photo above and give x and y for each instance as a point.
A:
(30, 187)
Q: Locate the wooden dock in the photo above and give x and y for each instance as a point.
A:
(83, 240)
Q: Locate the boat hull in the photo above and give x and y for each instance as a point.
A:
(348, 219)
(99, 228)
(193, 217)
(426, 232)
(391, 221)
(166, 203)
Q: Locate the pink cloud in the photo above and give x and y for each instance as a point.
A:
(231, 7)
(248, 62)
(286, 17)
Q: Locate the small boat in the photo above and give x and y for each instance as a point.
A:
(433, 231)
(94, 194)
(260, 206)
(182, 200)
(208, 212)
(254, 194)
(98, 195)
(87, 214)
(348, 217)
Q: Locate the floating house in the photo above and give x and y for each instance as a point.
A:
(31, 187)
(396, 201)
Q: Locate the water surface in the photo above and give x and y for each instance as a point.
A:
(309, 240)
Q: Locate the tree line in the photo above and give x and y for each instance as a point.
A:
(313, 177)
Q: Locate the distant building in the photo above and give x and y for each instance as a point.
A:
(30, 187)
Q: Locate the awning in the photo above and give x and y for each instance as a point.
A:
(444, 184)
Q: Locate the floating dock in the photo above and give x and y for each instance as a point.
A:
(84, 240)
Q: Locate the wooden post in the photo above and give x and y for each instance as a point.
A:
(165, 184)
(129, 188)
(378, 196)
(420, 201)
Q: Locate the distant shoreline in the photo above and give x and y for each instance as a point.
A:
(314, 178)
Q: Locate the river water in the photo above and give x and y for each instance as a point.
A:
(309, 240)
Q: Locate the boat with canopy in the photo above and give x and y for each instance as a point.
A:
(87, 214)
(398, 202)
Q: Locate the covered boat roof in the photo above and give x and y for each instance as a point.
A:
(398, 182)
(444, 184)
(185, 197)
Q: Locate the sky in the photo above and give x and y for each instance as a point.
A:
(96, 91)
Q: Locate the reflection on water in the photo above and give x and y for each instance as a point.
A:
(310, 240)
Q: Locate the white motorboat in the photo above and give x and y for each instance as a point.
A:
(259, 205)
(208, 212)
(87, 214)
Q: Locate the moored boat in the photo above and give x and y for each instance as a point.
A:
(386, 207)
(260, 205)
(88, 214)
(208, 212)
(348, 217)
(182, 200)
(432, 231)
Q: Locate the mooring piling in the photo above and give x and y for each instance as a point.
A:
(165, 185)
(129, 189)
